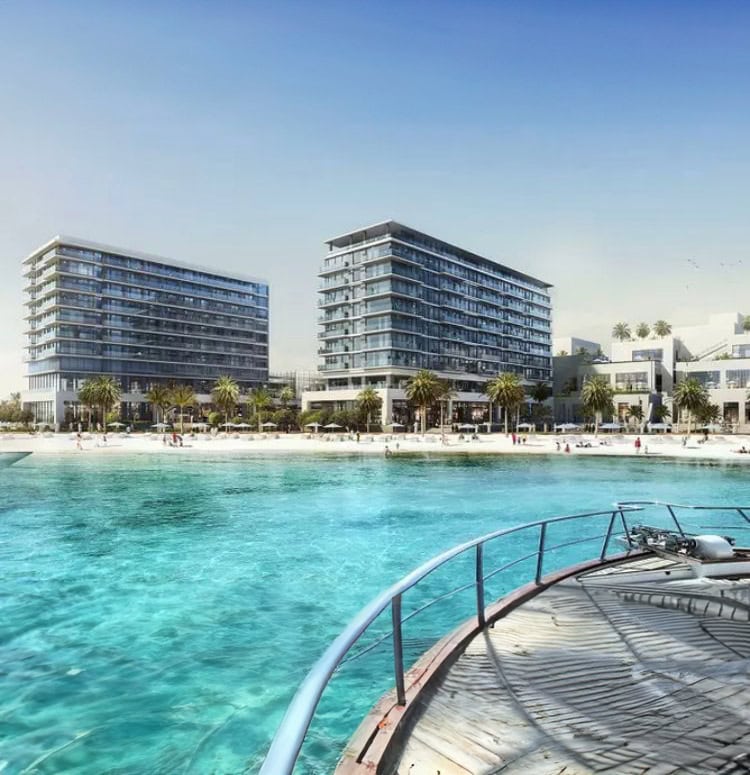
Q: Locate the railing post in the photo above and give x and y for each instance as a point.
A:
(480, 585)
(675, 520)
(605, 545)
(398, 650)
(625, 530)
(540, 553)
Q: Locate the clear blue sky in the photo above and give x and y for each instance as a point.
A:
(597, 145)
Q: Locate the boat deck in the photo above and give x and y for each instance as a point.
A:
(606, 672)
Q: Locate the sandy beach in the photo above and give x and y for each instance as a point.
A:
(716, 448)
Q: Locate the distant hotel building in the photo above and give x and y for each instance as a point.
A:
(394, 300)
(646, 371)
(93, 309)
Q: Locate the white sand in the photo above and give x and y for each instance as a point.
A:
(716, 448)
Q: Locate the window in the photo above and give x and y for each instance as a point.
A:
(648, 355)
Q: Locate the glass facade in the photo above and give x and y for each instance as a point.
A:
(648, 355)
(391, 298)
(707, 379)
(631, 380)
(94, 311)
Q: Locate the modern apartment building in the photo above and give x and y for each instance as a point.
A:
(645, 371)
(94, 309)
(394, 300)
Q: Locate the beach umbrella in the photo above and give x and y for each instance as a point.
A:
(610, 426)
(160, 425)
(242, 425)
(527, 426)
(567, 426)
(332, 426)
(116, 425)
(269, 425)
(466, 427)
(659, 426)
(315, 425)
(200, 425)
(397, 425)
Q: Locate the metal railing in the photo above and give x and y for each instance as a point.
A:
(287, 742)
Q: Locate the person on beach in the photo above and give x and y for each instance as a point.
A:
(79, 438)
(567, 447)
(388, 452)
(637, 445)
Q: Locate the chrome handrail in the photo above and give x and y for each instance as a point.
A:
(287, 742)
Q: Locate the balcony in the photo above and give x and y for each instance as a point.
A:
(324, 303)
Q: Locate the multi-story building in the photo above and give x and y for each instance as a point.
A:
(98, 310)
(394, 300)
(646, 371)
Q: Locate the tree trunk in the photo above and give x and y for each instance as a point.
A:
(597, 420)
(505, 413)
(423, 419)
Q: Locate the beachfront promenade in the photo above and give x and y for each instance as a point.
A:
(719, 447)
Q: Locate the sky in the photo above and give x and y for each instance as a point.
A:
(600, 146)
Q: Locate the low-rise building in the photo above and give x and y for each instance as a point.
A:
(647, 370)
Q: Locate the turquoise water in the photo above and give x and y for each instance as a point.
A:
(157, 613)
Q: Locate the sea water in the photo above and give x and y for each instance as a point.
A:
(157, 612)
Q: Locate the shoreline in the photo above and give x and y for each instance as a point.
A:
(653, 446)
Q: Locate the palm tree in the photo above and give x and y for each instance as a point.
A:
(182, 396)
(540, 392)
(635, 412)
(690, 395)
(286, 395)
(708, 414)
(368, 401)
(446, 394)
(107, 393)
(596, 396)
(662, 328)
(507, 391)
(225, 394)
(87, 396)
(621, 332)
(661, 413)
(746, 323)
(423, 389)
(261, 399)
(159, 396)
(642, 330)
